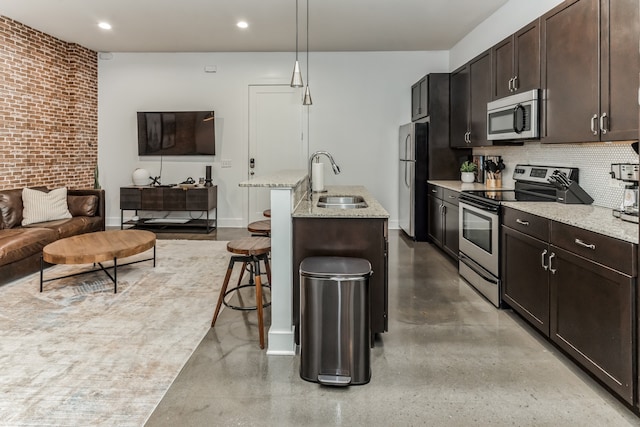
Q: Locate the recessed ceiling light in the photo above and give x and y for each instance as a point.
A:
(104, 25)
(242, 24)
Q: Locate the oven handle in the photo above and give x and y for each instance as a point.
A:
(463, 258)
(484, 207)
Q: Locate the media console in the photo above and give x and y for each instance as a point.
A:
(170, 199)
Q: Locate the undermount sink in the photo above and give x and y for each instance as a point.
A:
(342, 202)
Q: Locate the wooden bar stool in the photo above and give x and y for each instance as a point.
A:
(250, 250)
(267, 213)
(260, 228)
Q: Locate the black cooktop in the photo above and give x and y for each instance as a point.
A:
(512, 195)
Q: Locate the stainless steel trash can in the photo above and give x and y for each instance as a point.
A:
(334, 320)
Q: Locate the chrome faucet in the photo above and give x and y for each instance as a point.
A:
(334, 166)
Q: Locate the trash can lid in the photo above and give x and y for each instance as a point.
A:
(335, 266)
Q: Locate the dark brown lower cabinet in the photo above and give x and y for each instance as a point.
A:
(578, 288)
(436, 220)
(366, 238)
(592, 318)
(525, 279)
(443, 214)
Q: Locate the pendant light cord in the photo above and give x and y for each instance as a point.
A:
(307, 43)
(296, 30)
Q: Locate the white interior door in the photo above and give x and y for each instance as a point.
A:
(276, 139)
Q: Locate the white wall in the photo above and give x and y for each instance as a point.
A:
(360, 99)
(514, 15)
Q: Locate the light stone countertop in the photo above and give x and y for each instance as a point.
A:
(589, 217)
(311, 210)
(284, 179)
(463, 186)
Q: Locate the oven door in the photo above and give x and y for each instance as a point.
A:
(479, 235)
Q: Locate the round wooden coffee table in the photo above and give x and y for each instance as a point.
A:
(96, 248)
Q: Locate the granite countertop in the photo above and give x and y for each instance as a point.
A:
(310, 210)
(589, 217)
(284, 179)
(463, 186)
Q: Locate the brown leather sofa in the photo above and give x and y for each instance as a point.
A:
(21, 246)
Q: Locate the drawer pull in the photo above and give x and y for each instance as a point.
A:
(545, 266)
(519, 221)
(452, 197)
(433, 190)
(585, 245)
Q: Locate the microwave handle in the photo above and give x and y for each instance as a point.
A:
(517, 108)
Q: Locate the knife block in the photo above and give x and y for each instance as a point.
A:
(493, 182)
(574, 194)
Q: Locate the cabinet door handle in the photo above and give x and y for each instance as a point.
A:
(525, 223)
(444, 210)
(511, 84)
(544, 265)
(515, 83)
(551, 257)
(594, 123)
(585, 245)
(465, 136)
(603, 128)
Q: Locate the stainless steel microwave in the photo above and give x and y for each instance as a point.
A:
(514, 117)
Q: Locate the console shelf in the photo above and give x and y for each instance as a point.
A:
(171, 199)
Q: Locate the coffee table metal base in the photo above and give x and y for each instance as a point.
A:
(114, 277)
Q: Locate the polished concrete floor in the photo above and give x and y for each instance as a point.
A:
(449, 359)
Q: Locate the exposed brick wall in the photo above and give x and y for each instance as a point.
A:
(48, 110)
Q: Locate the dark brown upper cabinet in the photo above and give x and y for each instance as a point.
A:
(516, 62)
(470, 92)
(590, 71)
(420, 99)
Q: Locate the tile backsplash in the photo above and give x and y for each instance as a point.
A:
(593, 159)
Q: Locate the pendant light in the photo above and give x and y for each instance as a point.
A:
(296, 79)
(307, 94)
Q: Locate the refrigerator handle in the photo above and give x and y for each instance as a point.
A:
(407, 141)
(406, 172)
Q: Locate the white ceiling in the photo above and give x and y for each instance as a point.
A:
(210, 25)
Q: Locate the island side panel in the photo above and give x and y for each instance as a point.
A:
(349, 237)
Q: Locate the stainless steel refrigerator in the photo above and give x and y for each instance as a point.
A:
(413, 148)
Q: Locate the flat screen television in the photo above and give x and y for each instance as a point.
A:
(176, 133)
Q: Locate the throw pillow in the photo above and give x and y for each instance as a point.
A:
(40, 206)
(82, 205)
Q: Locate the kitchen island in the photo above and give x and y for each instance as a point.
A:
(359, 232)
(356, 232)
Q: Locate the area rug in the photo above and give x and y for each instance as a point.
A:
(78, 354)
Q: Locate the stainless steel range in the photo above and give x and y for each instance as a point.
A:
(480, 219)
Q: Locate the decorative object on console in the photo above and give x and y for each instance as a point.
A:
(468, 171)
(208, 182)
(140, 177)
(40, 206)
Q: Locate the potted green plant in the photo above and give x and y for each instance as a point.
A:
(468, 171)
